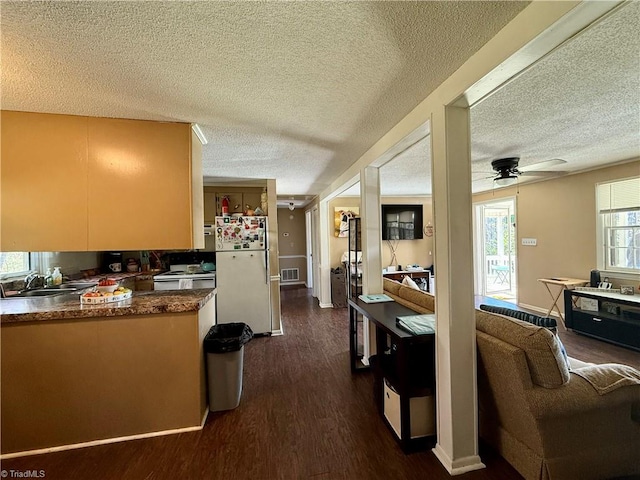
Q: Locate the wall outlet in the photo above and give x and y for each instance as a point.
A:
(531, 242)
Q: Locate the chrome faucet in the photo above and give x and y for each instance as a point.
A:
(33, 280)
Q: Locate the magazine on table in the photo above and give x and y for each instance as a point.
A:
(417, 324)
(375, 298)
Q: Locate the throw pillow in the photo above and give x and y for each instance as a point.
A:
(408, 281)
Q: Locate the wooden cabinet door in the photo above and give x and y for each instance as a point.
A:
(44, 182)
(139, 182)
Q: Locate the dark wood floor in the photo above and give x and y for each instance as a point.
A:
(302, 415)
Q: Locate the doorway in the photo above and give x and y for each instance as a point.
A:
(495, 246)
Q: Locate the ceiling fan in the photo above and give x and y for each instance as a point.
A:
(507, 171)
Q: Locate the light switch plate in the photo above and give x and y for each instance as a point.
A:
(531, 242)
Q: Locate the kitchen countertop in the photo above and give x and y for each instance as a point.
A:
(68, 306)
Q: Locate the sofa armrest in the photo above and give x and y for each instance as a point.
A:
(579, 397)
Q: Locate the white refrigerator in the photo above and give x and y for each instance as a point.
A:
(242, 272)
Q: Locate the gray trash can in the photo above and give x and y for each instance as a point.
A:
(224, 351)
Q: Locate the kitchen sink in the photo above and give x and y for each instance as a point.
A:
(43, 292)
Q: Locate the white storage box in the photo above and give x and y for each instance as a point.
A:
(423, 418)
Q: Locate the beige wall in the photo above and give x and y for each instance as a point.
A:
(561, 215)
(292, 224)
(407, 252)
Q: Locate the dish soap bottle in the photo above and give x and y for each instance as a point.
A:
(56, 276)
(48, 278)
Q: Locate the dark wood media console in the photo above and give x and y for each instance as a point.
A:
(608, 316)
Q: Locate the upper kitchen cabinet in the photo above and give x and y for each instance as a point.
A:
(44, 182)
(73, 183)
(140, 185)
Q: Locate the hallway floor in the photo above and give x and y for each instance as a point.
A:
(303, 415)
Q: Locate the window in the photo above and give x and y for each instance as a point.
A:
(618, 205)
(13, 264)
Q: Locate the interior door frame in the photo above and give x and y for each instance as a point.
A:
(478, 243)
(309, 242)
(315, 251)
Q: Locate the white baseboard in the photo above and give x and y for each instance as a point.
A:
(277, 333)
(460, 466)
(106, 441)
(326, 305)
(543, 311)
(282, 284)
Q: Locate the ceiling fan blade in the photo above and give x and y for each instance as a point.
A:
(539, 173)
(542, 165)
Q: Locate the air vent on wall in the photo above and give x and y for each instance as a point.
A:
(289, 275)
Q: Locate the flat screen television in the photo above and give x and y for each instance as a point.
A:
(401, 222)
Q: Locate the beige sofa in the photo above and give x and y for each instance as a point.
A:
(547, 419)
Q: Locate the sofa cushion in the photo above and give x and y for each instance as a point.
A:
(547, 366)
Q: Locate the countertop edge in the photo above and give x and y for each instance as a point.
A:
(140, 304)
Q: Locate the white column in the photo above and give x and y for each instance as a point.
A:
(370, 226)
(324, 298)
(457, 445)
(371, 247)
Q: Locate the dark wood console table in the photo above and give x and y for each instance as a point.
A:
(405, 361)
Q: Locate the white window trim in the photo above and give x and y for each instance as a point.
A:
(600, 246)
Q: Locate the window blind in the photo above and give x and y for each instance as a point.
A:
(622, 195)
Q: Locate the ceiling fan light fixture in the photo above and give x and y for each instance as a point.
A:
(505, 180)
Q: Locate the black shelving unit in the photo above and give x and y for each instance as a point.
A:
(612, 317)
(354, 288)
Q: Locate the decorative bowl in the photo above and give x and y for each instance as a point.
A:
(107, 288)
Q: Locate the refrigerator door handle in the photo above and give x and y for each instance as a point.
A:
(266, 266)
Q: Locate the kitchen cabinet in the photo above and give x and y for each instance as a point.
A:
(72, 183)
(139, 185)
(44, 172)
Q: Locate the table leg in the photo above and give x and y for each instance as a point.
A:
(554, 305)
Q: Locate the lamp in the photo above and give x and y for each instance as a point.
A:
(291, 207)
(505, 179)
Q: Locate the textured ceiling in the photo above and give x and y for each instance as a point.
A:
(295, 91)
(581, 103)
